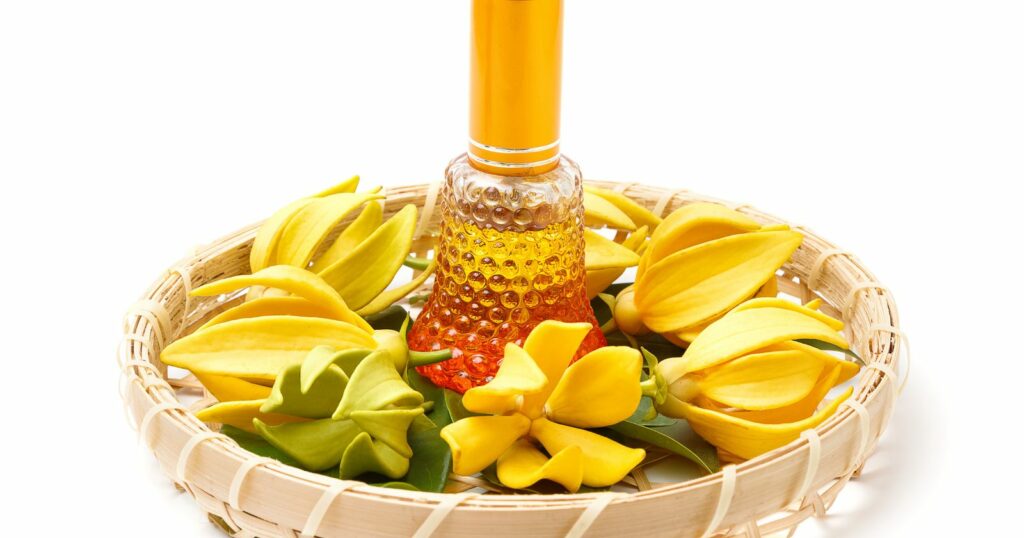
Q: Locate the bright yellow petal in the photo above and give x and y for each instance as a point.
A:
(552, 345)
(603, 253)
(598, 280)
(296, 281)
(522, 466)
(356, 232)
(694, 224)
(763, 380)
(847, 368)
(313, 223)
(769, 289)
(745, 331)
(605, 462)
(692, 286)
(258, 348)
(230, 389)
(600, 389)
(748, 439)
(517, 376)
(264, 245)
(640, 215)
(774, 302)
(240, 414)
(599, 212)
(389, 297)
(369, 268)
(476, 442)
(271, 306)
(790, 413)
(348, 185)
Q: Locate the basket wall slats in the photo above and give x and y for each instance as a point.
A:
(276, 500)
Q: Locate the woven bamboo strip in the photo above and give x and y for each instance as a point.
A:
(277, 500)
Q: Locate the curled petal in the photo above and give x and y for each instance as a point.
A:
(272, 306)
(241, 413)
(319, 400)
(745, 331)
(390, 296)
(600, 212)
(693, 224)
(748, 439)
(517, 376)
(636, 212)
(598, 280)
(389, 426)
(522, 466)
(230, 389)
(369, 268)
(293, 280)
(603, 253)
(763, 380)
(375, 384)
(552, 345)
(365, 455)
(790, 413)
(598, 390)
(311, 225)
(368, 220)
(317, 445)
(692, 286)
(477, 442)
(259, 348)
(809, 309)
(605, 462)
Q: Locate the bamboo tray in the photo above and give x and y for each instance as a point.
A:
(250, 496)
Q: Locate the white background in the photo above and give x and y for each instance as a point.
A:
(132, 131)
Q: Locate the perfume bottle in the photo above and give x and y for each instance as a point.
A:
(510, 254)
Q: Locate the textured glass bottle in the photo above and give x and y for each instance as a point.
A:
(510, 255)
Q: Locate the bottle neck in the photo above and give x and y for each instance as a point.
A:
(514, 161)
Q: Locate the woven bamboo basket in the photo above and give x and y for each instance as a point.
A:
(250, 496)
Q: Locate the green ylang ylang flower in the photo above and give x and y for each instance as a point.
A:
(349, 409)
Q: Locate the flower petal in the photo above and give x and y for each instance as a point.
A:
(775, 302)
(600, 212)
(311, 225)
(518, 375)
(241, 413)
(477, 442)
(639, 214)
(317, 445)
(522, 466)
(264, 245)
(748, 439)
(365, 455)
(763, 380)
(390, 296)
(259, 348)
(693, 224)
(319, 401)
(375, 384)
(598, 280)
(230, 389)
(271, 306)
(552, 345)
(296, 281)
(605, 462)
(745, 331)
(790, 413)
(603, 253)
(598, 390)
(371, 217)
(389, 426)
(692, 286)
(369, 268)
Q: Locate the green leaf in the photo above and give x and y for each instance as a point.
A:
(453, 401)
(653, 342)
(391, 318)
(677, 438)
(826, 346)
(640, 416)
(397, 485)
(431, 460)
(431, 393)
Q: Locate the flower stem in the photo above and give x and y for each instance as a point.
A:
(418, 264)
(423, 358)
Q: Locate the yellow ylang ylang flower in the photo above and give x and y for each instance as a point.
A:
(360, 263)
(748, 385)
(537, 400)
(703, 260)
(606, 260)
(603, 207)
(239, 353)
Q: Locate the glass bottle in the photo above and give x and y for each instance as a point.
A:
(510, 254)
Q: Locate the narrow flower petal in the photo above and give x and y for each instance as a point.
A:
(293, 280)
(600, 212)
(390, 296)
(775, 302)
(241, 413)
(692, 286)
(639, 214)
(790, 413)
(745, 331)
(369, 268)
(477, 442)
(598, 280)
(603, 253)
(311, 225)
(605, 462)
(389, 426)
(318, 401)
(317, 445)
(375, 384)
(748, 439)
(347, 185)
(371, 217)
(230, 389)
(693, 224)
(259, 348)
(598, 390)
(272, 306)
(366, 455)
(552, 345)
(522, 466)
(763, 380)
(518, 375)
(261, 255)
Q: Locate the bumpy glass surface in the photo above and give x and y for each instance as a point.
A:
(510, 255)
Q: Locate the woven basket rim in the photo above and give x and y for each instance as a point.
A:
(848, 288)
